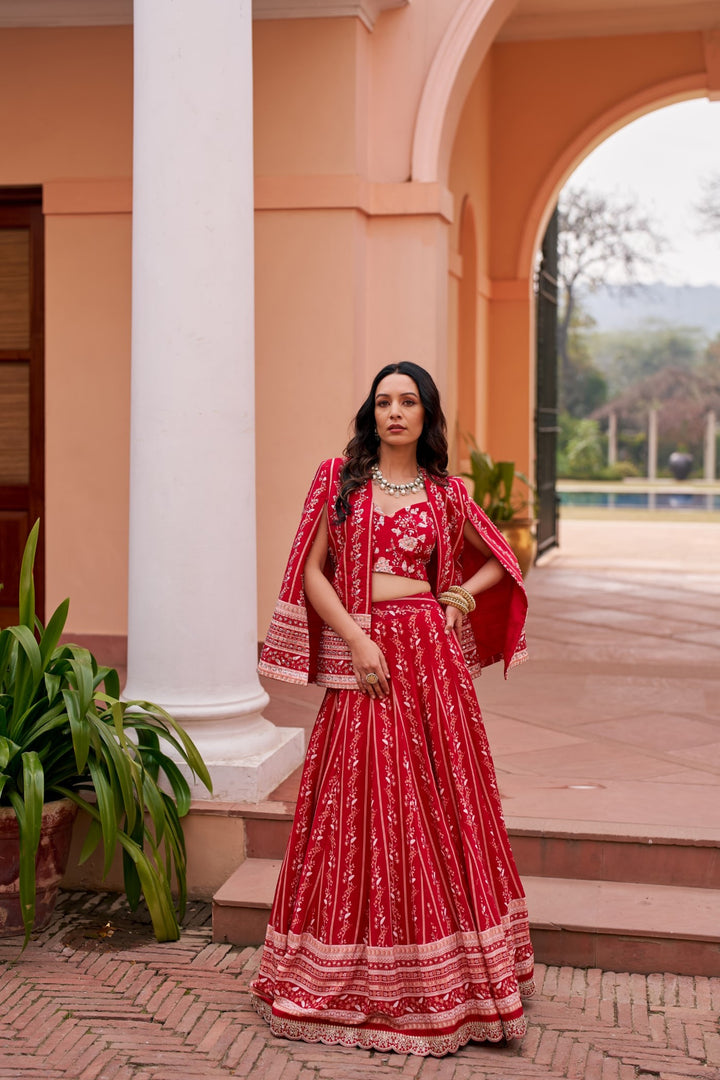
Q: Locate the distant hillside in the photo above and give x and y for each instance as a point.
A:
(680, 305)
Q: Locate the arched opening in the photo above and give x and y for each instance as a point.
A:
(640, 390)
(532, 110)
(597, 132)
(548, 386)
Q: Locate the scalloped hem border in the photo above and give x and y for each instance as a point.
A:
(369, 1038)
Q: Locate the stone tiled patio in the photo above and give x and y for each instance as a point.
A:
(616, 720)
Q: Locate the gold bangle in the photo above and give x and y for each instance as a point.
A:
(467, 596)
(455, 601)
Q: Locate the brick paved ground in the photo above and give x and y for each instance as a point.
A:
(96, 998)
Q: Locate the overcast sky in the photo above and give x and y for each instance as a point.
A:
(660, 159)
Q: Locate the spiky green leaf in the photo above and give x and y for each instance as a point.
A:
(27, 584)
(107, 811)
(50, 636)
(8, 749)
(93, 836)
(28, 806)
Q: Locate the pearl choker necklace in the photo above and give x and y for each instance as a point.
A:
(397, 489)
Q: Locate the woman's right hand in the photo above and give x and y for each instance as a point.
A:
(367, 659)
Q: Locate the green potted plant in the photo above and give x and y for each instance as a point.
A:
(67, 741)
(493, 490)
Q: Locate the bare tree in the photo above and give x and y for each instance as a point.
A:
(601, 239)
(708, 207)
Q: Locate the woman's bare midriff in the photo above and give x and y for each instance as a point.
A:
(392, 587)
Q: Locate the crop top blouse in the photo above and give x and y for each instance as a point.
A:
(404, 541)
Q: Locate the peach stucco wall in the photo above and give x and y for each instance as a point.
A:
(71, 120)
(87, 376)
(71, 96)
(308, 77)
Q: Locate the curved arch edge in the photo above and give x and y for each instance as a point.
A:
(622, 113)
(467, 39)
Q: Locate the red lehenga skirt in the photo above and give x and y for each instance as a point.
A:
(399, 920)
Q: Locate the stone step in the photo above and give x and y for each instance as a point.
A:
(267, 829)
(241, 907)
(542, 848)
(625, 926)
(610, 852)
(614, 925)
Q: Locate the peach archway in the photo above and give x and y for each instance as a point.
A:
(624, 112)
(462, 50)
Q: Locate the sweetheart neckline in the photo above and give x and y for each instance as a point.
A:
(410, 506)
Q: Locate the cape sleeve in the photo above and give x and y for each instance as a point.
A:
(290, 649)
(498, 621)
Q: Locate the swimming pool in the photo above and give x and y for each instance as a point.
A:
(643, 500)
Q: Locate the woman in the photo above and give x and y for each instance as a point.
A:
(399, 920)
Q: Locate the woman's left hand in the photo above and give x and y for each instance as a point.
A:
(453, 620)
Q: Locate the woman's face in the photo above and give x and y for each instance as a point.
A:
(399, 412)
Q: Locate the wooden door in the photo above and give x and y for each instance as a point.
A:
(21, 390)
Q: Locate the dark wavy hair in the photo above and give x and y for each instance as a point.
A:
(361, 453)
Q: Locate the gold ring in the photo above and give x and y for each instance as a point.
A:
(372, 678)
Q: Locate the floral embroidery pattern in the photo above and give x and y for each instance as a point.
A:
(410, 530)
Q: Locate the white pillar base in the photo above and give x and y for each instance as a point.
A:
(247, 756)
(250, 777)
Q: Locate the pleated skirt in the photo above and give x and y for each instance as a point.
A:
(399, 920)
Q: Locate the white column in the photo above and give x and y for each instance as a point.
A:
(612, 438)
(192, 635)
(652, 444)
(710, 446)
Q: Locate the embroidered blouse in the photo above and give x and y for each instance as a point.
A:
(300, 648)
(403, 542)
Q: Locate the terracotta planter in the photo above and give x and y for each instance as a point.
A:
(52, 857)
(520, 535)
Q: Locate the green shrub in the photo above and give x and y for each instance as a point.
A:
(65, 733)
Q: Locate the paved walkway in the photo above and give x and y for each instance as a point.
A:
(613, 723)
(95, 998)
(616, 719)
